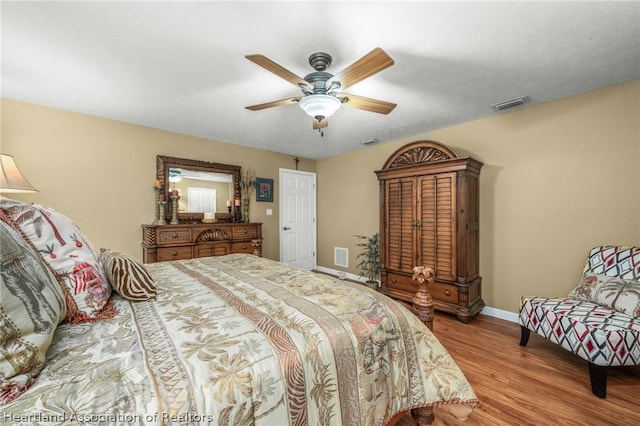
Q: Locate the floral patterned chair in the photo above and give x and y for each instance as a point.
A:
(599, 320)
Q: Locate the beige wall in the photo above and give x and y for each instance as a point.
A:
(101, 172)
(558, 178)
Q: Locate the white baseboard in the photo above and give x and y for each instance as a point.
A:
(341, 274)
(499, 313)
(487, 310)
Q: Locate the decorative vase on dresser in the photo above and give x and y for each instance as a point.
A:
(190, 240)
(429, 216)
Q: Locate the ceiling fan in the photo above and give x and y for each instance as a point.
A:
(321, 91)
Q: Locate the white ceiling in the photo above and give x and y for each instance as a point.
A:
(181, 66)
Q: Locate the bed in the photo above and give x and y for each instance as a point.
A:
(229, 340)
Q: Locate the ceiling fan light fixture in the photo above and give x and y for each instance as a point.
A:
(319, 105)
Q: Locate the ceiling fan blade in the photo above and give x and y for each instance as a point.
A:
(317, 125)
(370, 64)
(272, 104)
(278, 70)
(367, 104)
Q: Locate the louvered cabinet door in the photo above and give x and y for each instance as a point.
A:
(399, 238)
(437, 224)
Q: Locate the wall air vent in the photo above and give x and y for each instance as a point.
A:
(341, 257)
(501, 106)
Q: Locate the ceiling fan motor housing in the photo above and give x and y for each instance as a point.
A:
(319, 80)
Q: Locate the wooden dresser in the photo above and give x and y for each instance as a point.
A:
(187, 241)
(429, 208)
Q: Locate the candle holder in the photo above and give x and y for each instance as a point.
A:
(161, 219)
(174, 209)
(156, 205)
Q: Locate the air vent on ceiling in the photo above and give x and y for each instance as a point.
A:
(501, 106)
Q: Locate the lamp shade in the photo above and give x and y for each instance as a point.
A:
(319, 105)
(11, 180)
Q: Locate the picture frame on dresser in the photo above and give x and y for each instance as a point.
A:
(264, 189)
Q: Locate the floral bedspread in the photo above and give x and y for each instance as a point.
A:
(242, 340)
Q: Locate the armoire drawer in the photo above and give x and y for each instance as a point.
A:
(174, 253)
(444, 292)
(401, 282)
(439, 291)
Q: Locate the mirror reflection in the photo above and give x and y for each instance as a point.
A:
(201, 191)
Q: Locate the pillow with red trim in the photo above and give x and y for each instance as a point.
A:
(70, 256)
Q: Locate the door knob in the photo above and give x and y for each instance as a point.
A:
(286, 228)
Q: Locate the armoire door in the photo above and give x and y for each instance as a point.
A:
(401, 247)
(436, 226)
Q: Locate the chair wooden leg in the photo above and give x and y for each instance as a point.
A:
(524, 335)
(598, 376)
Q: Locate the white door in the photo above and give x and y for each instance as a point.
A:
(298, 218)
(201, 199)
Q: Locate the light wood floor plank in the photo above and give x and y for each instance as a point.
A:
(539, 384)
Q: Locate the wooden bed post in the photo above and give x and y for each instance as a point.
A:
(422, 302)
(423, 416)
(423, 307)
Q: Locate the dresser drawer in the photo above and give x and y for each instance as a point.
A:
(173, 236)
(173, 253)
(242, 247)
(206, 250)
(248, 231)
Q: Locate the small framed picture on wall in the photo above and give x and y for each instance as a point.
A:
(264, 189)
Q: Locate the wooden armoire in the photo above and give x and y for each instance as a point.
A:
(429, 208)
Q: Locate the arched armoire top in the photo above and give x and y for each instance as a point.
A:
(419, 152)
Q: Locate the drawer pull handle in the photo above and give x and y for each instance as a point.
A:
(447, 293)
(244, 246)
(245, 232)
(393, 280)
(174, 253)
(174, 235)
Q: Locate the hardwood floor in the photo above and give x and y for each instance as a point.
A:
(539, 384)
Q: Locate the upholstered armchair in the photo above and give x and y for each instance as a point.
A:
(599, 320)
